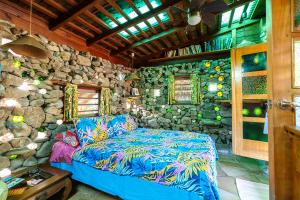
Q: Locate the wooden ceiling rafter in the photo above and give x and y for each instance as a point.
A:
(161, 24)
(71, 14)
(56, 5)
(41, 9)
(133, 22)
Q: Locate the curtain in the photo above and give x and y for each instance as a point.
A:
(105, 107)
(71, 103)
(171, 89)
(196, 93)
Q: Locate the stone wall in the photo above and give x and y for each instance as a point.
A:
(212, 116)
(42, 105)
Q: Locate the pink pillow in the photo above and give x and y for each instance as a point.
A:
(68, 137)
(62, 152)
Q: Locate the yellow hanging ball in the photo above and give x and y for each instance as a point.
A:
(221, 78)
(207, 64)
(211, 76)
(256, 59)
(220, 94)
(220, 86)
(218, 68)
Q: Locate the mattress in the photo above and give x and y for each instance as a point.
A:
(179, 160)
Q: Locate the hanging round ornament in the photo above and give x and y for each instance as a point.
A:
(207, 64)
(221, 78)
(17, 64)
(211, 76)
(217, 108)
(219, 117)
(246, 112)
(218, 68)
(219, 86)
(219, 94)
(199, 115)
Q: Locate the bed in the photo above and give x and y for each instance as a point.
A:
(149, 164)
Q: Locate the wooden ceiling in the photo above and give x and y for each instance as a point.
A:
(95, 22)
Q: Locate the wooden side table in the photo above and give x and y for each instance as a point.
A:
(49, 187)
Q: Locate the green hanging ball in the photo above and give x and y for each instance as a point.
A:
(257, 111)
(245, 112)
(219, 118)
(42, 78)
(13, 157)
(36, 82)
(217, 108)
(17, 64)
(199, 115)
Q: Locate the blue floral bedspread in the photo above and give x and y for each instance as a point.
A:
(185, 160)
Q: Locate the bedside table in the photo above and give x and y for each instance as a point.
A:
(59, 181)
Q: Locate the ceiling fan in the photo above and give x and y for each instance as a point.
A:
(203, 11)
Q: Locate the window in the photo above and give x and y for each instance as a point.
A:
(184, 89)
(88, 102)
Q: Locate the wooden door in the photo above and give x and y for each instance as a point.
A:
(249, 101)
(281, 60)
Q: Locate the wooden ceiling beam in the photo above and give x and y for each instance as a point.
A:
(133, 22)
(42, 9)
(162, 25)
(89, 25)
(150, 39)
(80, 29)
(56, 5)
(95, 19)
(72, 14)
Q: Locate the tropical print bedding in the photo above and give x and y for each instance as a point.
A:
(185, 160)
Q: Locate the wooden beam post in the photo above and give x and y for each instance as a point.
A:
(133, 22)
(72, 14)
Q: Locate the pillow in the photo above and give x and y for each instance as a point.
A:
(68, 137)
(120, 124)
(61, 152)
(130, 124)
(91, 130)
(116, 125)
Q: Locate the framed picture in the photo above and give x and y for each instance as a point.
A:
(295, 15)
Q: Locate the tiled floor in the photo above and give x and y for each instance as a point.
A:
(250, 173)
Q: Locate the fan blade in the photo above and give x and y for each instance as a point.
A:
(196, 5)
(215, 6)
(209, 19)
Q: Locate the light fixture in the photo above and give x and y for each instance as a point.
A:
(32, 146)
(27, 45)
(5, 172)
(8, 102)
(212, 87)
(24, 86)
(59, 122)
(43, 91)
(194, 18)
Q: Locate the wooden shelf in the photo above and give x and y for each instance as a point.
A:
(254, 119)
(256, 73)
(255, 96)
(204, 55)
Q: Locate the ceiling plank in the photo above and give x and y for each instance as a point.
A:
(56, 5)
(73, 13)
(89, 25)
(162, 25)
(150, 39)
(42, 9)
(80, 29)
(128, 24)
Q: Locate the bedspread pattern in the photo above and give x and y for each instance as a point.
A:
(185, 160)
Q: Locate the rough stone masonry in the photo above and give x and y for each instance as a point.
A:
(42, 110)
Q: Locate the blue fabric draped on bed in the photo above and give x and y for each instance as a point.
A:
(184, 160)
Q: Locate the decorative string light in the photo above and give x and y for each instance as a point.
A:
(43, 91)
(24, 86)
(9, 102)
(5, 172)
(59, 122)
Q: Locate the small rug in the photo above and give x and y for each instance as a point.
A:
(249, 190)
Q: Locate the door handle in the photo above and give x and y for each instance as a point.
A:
(284, 104)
